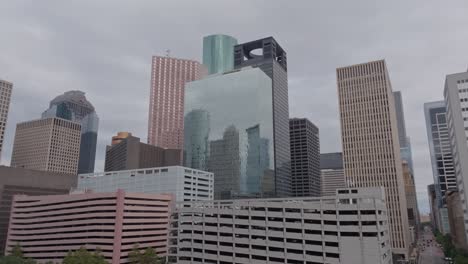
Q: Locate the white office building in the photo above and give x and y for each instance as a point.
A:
(350, 228)
(456, 101)
(185, 183)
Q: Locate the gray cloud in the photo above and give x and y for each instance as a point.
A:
(104, 48)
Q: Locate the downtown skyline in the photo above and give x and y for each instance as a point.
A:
(114, 69)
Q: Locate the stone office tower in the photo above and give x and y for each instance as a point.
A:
(166, 106)
(371, 149)
(273, 62)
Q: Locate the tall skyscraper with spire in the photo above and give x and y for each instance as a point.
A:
(371, 148)
(166, 106)
(74, 106)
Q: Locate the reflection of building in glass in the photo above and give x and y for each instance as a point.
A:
(74, 106)
(273, 62)
(218, 53)
(231, 103)
(196, 132)
(225, 163)
(257, 159)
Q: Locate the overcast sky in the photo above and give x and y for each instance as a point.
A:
(104, 48)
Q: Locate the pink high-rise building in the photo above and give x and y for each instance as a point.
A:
(166, 113)
(48, 227)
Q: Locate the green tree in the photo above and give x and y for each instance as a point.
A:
(147, 256)
(83, 256)
(16, 257)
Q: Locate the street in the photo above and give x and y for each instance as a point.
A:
(430, 253)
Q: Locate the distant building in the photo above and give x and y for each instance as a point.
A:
(305, 157)
(5, 98)
(349, 228)
(371, 149)
(166, 106)
(29, 182)
(332, 173)
(127, 152)
(411, 200)
(218, 53)
(51, 144)
(456, 101)
(245, 145)
(184, 183)
(435, 213)
(74, 106)
(456, 220)
(110, 222)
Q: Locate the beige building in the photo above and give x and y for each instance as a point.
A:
(50, 144)
(5, 96)
(371, 150)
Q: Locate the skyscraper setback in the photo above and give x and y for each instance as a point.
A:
(371, 149)
(166, 106)
(5, 96)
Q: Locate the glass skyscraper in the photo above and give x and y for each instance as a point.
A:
(237, 125)
(74, 106)
(218, 53)
(443, 169)
(226, 117)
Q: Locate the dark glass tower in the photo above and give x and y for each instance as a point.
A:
(74, 106)
(305, 157)
(268, 55)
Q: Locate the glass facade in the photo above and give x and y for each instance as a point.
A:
(229, 131)
(267, 55)
(218, 53)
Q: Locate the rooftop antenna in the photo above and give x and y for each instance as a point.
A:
(168, 53)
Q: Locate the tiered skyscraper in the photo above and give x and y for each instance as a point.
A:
(237, 124)
(5, 97)
(456, 101)
(371, 149)
(305, 157)
(166, 106)
(74, 106)
(443, 169)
